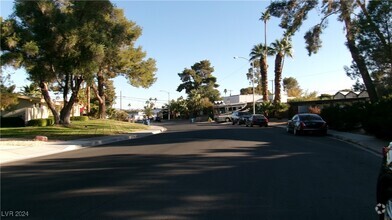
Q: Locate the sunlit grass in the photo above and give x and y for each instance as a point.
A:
(76, 130)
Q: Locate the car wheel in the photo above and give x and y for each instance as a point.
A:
(251, 125)
(295, 131)
(288, 129)
(227, 119)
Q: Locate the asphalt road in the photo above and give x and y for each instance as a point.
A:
(198, 171)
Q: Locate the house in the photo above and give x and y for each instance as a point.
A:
(350, 95)
(29, 108)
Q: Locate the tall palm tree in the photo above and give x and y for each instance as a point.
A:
(281, 48)
(259, 51)
(265, 16)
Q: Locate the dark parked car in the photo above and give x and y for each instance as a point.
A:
(307, 123)
(384, 185)
(257, 119)
(239, 117)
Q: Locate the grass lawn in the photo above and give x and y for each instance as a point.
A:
(76, 130)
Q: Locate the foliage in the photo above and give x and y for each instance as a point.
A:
(7, 96)
(306, 96)
(379, 119)
(122, 58)
(199, 78)
(249, 91)
(149, 107)
(200, 86)
(64, 43)
(294, 12)
(11, 122)
(79, 118)
(272, 110)
(281, 48)
(179, 107)
(31, 90)
(259, 53)
(375, 118)
(376, 47)
(291, 86)
(120, 115)
(42, 122)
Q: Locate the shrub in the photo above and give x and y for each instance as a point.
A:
(37, 122)
(12, 122)
(49, 121)
(347, 117)
(379, 119)
(120, 116)
(79, 118)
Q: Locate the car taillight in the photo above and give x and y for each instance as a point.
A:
(302, 125)
(266, 120)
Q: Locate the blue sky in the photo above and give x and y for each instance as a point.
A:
(178, 34)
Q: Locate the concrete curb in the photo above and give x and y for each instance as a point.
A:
(17, 153)
(333, 134)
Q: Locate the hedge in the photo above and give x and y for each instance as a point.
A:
(79, 118)
(374, 118)
(10, 122)
(38, 122)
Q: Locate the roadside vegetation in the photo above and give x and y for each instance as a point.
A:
(75, 130)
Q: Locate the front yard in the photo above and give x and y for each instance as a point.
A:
(76, 130)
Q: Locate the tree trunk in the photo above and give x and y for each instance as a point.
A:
(65, 114)
(100, 94)
(278, 77)
(264, 78)
(46, 95)
(88, 97)
(358, 59)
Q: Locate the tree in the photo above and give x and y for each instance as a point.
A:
(282, 49)
(7, 96)
(291, 86)
(374, 36)
(179, 107)
(265, 16)
(199, 78)
(121, 57)
(294, 12)
(260, 52)
(149, 107)
(54, 41)
(31, 90)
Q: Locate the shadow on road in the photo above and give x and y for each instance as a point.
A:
(252, 179)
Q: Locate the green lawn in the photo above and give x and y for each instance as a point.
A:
(76, 130)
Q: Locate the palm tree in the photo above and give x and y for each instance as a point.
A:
(259, 51)
(282, 49)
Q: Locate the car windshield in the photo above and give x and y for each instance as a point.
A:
(310, 117)
(243, 113)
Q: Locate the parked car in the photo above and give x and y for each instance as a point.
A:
(307, 123)
(384, 185)
(238, 117)
(257, 119)
(244, 118)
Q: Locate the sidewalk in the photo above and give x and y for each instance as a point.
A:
(30, 149)
(367, 142)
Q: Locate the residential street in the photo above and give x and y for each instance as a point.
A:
(198, 171)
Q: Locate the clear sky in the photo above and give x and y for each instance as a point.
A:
(178, 34)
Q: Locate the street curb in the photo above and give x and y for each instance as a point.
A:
(62, 148)
(341, 138)
(356, 143)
